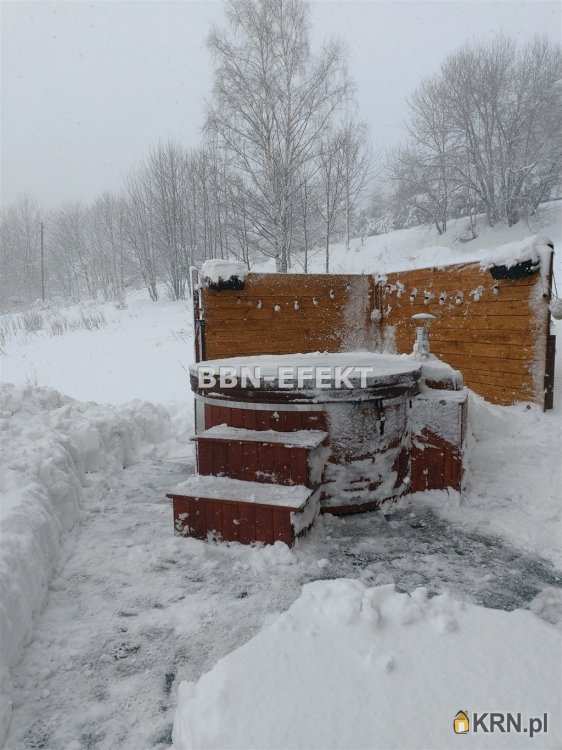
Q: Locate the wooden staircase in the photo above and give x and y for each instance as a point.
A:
(252, 485)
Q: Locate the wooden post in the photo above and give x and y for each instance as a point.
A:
(42, 262)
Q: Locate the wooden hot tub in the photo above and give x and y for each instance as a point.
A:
(364, 456)
(282, 438)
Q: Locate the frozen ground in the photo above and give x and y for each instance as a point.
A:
(135, 610)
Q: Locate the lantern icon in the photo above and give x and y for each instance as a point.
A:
(461, 723)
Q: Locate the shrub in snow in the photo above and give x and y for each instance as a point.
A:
(49, 444)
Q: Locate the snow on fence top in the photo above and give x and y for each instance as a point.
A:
(217, 273)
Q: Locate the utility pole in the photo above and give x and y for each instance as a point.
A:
(42, 262)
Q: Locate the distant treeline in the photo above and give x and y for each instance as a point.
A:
(285, 165)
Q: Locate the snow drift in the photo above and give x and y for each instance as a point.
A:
(513, 478)
(51, 449)
(354, 667)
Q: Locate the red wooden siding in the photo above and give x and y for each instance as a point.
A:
(253, 461)
(261, 419)
(232, 521)
(437, 465)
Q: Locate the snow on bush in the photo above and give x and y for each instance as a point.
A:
(55, 322)
(50, 449)
(354, 667)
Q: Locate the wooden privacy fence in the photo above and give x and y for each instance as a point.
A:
(495, 330)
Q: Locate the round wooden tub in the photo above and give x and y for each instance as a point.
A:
(360, 399)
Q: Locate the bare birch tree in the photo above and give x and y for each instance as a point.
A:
(357, 159)
(139, 230)
(272, 100)
(486, 132)
(332, 186)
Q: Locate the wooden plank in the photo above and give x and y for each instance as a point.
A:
(269, 300)
(483, 349)
(465, 310)
(549, 372)
(312, 284)
(504, 395)
(470, 274)
(214, 517)
(230, 522)
(272, 333)
(483, 336)
(486, 364)
(282, 529)
(264, 525)
(405, 339)
(491, 323)
(503, 294)
(247, 518)
(520, 381)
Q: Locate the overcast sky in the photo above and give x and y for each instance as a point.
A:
(87, 88)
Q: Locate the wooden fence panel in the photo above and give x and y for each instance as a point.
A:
(280, 314)
(494, 331)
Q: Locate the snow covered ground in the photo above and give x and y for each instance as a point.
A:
(143, 351)
(132, 610)
(349, 666)
(53, 452)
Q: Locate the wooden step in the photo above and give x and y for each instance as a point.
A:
(264, 419)
(246, 512)
(296, 439)
(268, 456)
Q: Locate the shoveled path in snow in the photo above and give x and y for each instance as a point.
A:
(135, 610)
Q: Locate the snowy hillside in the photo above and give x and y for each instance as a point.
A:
(422, 246)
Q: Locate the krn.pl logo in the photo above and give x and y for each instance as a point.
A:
(461, 723)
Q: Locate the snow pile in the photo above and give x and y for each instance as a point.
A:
(535, 249)
(354, 667)
(513, 477)
(51, 449)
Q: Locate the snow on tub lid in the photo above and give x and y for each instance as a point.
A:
(303, 370)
